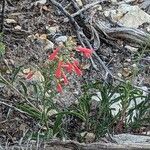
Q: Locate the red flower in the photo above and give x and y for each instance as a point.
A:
(77, 69)
(59, 88)
(29, 75)
(86, 51)
(68, 66)
(65, 78)
(58, 71)
(54, 54)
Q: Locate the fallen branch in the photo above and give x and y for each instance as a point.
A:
(73, 145)
(130, 35)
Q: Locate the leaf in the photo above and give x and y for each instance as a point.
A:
(15, 72)
(57, 123)
(2, 49)
(30, 110)
(24, 87)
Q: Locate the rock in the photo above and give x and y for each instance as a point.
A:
(148, 29)
(17, 27)
(11, 21)
(98, 7)
(128, 16)
(52, 112)
(114, 1)
(132, 49)
(42, 2)
(130, 139)
(49, 45)
(52, 30)
(89, 137)
(133, 16)
(61, 39)
(79, 2)
(96, 97)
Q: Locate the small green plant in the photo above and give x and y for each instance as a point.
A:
(106, 117)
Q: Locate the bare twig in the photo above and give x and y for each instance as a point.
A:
(12, 107)
(87, 7)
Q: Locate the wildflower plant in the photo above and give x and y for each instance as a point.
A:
(66, 63)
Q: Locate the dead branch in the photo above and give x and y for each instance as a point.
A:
(87, 7)
(73, 145)
(130, 35)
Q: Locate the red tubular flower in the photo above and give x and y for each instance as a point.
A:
(59, 88)
(29, 75)
(77, 69)
(86, 51)
(54, 54)
(69, 67)
(58, 71)
(65, 78)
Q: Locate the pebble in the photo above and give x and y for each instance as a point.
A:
(61, 39)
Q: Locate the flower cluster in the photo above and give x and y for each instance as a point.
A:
(67, 65)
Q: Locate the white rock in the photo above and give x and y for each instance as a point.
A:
(42, 2)
(98, 7)
(49, 45)
(128, 16)
(61, 39)
(132, 49)
(53, 29)
(79, 2)
(133, 16)
(17, 27)
(130, 139)
(89, 137)
(11, 21)
(114, 1)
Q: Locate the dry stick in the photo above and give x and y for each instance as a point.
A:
(79, 34)
(13, 107)
(87, 7)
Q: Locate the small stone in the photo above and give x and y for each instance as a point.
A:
(95, 98)
(42, 2)
(134, 66)
(79, 2)
(119, 75)
(148, 28)
(52, 30)
(52, 112)
(98, 7)
(107, 13)
(25, 71)
(49, 45)
(11, 21)
(17, 27)
(114, 1)
(89, 137)
(132, 49)
(128, 60)
(61, 39)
